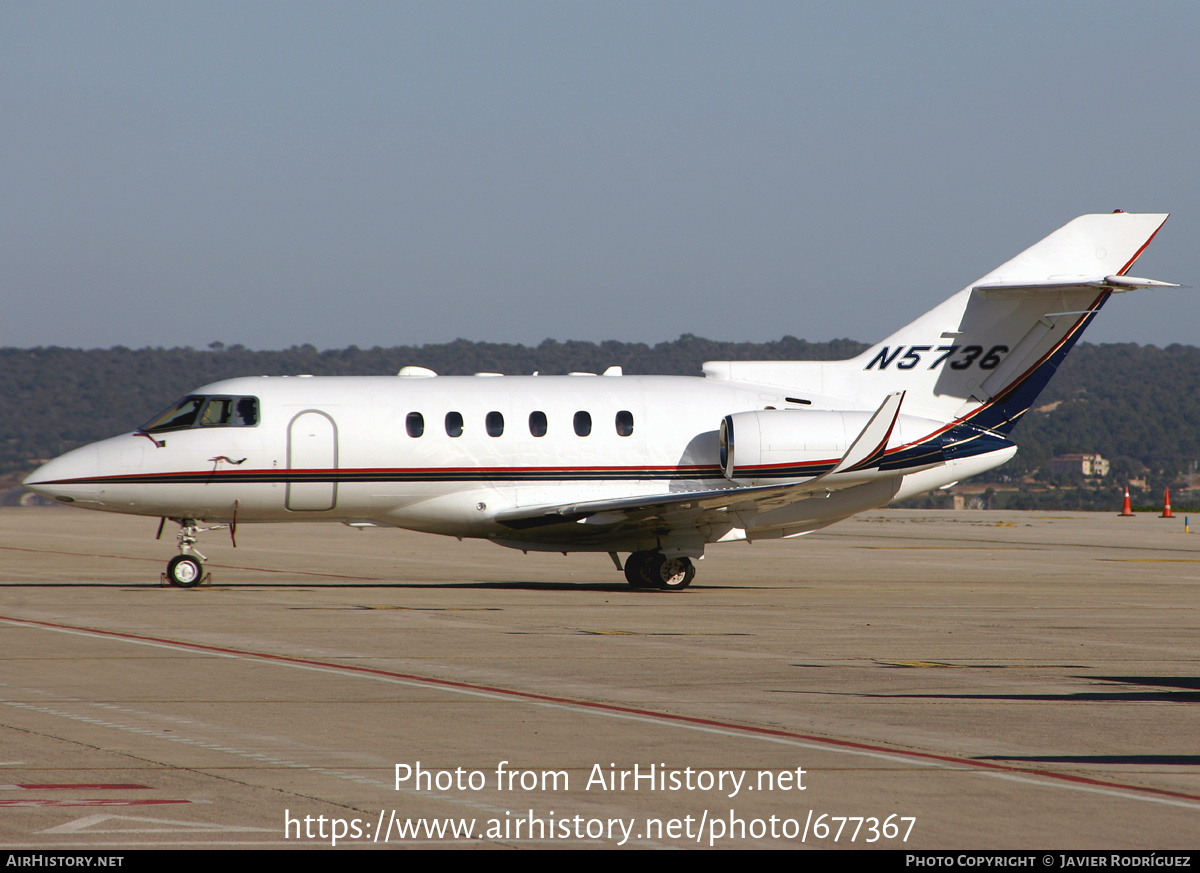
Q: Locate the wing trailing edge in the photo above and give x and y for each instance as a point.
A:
(865, 453)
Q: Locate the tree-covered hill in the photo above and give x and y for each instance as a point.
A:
(54, 399)
(1123, 401)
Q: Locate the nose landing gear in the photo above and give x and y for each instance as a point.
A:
(186, 570)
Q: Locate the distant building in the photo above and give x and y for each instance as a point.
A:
(1091, 466)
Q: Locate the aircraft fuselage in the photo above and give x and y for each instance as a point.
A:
(442, 454)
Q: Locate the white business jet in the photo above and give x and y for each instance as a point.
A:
(657, 467)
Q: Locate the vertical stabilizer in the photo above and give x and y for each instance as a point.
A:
(988, 350)
(984, 354)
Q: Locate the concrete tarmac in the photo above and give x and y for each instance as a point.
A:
(928, 680)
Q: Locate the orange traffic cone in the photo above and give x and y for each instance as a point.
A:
(1127, 510)
(1166, 513)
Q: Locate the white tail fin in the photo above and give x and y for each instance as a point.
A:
(985, 353)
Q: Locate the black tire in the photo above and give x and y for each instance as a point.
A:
(669, 574)
(635, 571)
(185, 571)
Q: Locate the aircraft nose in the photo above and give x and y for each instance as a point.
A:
(67, 478)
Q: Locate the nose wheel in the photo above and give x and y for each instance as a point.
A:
(185, 571)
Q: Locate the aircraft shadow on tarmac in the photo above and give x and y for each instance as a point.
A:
(512, 585)
(1145, 760)
(198, 590)
(1190, 694)
(508, 585)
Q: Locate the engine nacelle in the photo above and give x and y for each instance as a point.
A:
(781, 445)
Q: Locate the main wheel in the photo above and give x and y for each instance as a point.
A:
(185, 571)
(669, 574)
(635, 571)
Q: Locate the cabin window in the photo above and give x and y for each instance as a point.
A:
(583, 423)
(537, 423)
(495, 424)
(414, 424)
(624, 423)
(454, 424)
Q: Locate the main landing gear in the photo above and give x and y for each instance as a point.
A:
(656, 570)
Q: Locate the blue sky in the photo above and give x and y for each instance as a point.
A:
(275, 173)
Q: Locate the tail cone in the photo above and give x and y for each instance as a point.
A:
(1127, 510)
(1166, 513)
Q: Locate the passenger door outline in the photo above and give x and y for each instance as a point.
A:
(312, 445)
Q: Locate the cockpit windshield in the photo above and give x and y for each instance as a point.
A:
(198, 410)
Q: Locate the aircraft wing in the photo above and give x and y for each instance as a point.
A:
(864, 453)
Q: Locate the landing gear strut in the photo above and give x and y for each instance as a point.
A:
(656, 570)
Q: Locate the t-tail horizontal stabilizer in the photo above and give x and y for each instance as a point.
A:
(1117, 284)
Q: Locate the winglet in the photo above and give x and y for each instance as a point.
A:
(868, 447)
